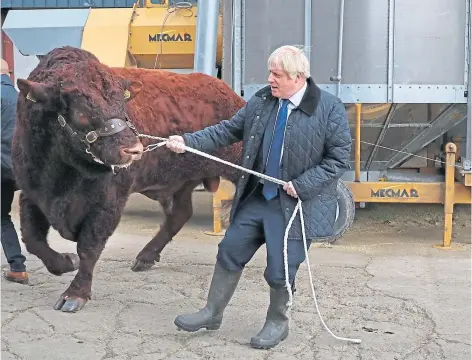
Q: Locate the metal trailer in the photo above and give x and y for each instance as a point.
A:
(401, 67)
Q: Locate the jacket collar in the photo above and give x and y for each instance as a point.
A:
(310, 99)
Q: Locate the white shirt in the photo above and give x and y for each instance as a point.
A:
(295, 100)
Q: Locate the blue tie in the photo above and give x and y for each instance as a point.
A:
(273, 162)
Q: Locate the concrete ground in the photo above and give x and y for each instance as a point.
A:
(383, 282)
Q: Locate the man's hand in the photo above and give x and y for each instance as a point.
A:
(176, 143)
(288, 187)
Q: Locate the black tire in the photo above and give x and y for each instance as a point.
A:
(346, 212)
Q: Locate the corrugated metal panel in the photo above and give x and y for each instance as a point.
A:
(35, 32)
(17, 4)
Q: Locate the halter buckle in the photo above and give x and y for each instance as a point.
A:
(61, 120)
(91, 137)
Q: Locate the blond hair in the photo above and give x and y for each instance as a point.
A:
(291, 59)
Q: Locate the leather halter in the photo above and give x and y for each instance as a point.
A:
(112, 126)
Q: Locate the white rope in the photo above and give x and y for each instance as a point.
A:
(287, 229)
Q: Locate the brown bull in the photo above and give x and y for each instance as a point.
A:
(76, 159)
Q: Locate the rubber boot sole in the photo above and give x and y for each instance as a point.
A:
(264, 344)
(183, 327)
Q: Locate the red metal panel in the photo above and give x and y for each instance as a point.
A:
(7, 53)
(7, 49)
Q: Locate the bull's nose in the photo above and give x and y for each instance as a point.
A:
(135, 151)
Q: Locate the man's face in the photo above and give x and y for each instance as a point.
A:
(281, 85)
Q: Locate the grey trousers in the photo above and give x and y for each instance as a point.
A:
(259, 221)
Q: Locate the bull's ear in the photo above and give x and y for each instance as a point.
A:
(133, 88)
(35, 91)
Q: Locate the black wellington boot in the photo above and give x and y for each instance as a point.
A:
(276, 326)
(223, 285)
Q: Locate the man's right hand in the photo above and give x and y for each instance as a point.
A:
(176, 143)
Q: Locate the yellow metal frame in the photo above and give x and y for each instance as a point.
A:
(177, 26)
(225, 193)
(357, 151)
(106, 35)
(449, 192)
(131, 37)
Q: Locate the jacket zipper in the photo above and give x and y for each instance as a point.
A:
(271, 139)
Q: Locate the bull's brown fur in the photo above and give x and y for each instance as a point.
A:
(177, 104)
(64, 188)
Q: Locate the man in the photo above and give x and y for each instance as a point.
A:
(294, 131)
(10, 243)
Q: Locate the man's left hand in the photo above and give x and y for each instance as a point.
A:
(288, 187)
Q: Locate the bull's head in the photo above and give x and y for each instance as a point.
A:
(89, 101)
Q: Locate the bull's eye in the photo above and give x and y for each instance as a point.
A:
(83, 119)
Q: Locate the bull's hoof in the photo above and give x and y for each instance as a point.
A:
(70, 304)
(141, 265)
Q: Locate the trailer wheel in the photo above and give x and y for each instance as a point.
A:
(345, 213)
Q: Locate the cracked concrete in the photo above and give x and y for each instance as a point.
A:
(403, 298)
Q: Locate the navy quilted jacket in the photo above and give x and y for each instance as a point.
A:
(316, 153)
(9, 99)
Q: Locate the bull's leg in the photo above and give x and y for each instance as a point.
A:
(95, 231)
(34, 230)
(177, 213)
